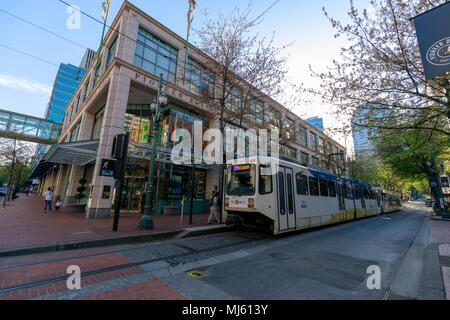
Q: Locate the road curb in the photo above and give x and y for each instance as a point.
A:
(96, 243)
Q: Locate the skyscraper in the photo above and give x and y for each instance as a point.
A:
(316, 122)
(66, 83)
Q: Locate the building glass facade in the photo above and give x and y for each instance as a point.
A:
(155, 56)
(66, 83)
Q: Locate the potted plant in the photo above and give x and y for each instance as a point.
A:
(78, 207)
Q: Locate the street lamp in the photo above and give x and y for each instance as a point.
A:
(146, 222)
(436, 185)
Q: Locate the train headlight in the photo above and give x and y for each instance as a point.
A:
(251, 203)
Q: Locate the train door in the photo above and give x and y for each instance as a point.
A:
(341, 199)
(363, 200)
(286, 204)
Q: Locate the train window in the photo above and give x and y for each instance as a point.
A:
(348, 191)
(265, 182)
(302, 184)
(241, 180)
(313, 186)
(332, 188)
(290, 194)
(323, 188)
(366, 194)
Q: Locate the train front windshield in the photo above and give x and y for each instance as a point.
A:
(241, 180)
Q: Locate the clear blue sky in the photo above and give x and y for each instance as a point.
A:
(25, 82)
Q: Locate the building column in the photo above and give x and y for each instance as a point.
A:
(112, 125)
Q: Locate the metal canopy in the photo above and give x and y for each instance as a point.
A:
(78, 153)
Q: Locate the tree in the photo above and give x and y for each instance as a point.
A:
(246, 68)
(14, 155)
(380, 72)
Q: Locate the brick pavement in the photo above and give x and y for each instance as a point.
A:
(150, 290)
(440, 233)
(24, 224)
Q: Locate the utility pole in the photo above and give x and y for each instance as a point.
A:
(10, 178)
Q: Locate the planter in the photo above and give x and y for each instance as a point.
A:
(75, 208)
(171, 210)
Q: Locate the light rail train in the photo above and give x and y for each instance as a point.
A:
(297, 197)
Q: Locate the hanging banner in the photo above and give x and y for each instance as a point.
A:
(433, 35)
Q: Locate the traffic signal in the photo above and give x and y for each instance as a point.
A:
(120, 147)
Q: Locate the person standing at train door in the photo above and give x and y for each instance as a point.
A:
(213, 208)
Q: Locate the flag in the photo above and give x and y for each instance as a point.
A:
(433, 36)
(192, 5)
(105, 6)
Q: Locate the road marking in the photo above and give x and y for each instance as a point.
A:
(84, 232)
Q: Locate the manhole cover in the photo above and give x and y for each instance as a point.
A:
(196, 274)
(281, 256)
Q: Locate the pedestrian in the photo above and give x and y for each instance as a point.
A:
(213, 207)
(48, 200)
(27, 190)
(57, 205)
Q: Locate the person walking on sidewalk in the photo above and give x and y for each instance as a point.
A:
(213, 207)
(48, 200)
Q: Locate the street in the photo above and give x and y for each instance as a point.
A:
(328, 263)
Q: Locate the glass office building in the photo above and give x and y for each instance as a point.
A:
(66, 83)
(317, 123)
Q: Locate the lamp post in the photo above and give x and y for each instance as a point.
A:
(146, 222)
(436, 185)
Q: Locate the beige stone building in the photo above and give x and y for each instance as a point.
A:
(137, 49)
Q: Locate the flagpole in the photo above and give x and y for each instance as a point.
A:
(101, 43)
(187, 43)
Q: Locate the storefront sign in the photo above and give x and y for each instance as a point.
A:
(169, 91)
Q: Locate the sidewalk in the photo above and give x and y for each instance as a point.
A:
(440, 234)
(23, 224)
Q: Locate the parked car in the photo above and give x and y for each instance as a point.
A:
(429, 202)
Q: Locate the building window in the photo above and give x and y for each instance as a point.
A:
(303, 136)
(304, 158)
(314, 145)
(321, 145)
(199, 80)
(86, 89)
(74, 133)
(155, 56)
(111, 53)
(315, 161)
(288, 152)
(256, 113)
(96, 128)
(233, 100)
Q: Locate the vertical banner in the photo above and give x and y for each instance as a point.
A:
(433, 35)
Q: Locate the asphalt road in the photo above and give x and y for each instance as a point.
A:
(330, 263)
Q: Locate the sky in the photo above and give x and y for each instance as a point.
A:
(26, 83)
